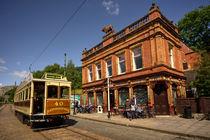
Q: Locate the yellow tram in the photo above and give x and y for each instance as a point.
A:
(43, 100)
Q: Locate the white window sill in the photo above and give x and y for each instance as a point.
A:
(121, 73)
(137, 69)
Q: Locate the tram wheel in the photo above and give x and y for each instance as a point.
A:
(31, 124)
(28, 122)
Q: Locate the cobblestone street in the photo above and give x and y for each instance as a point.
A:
(12, 129)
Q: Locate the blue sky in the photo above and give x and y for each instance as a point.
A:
(27, 26)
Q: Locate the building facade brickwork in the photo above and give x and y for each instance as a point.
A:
(143, 59)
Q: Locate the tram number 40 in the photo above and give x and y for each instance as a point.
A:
(58, 103)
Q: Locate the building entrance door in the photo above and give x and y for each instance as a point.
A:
(161, 100)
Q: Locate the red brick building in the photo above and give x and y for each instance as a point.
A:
(143, 59)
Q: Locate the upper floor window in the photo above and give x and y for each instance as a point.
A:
(98, 71)
(109, 67)
(137, 58)
(121, 63)
(90, 74)
(185, 65)
(171, 55)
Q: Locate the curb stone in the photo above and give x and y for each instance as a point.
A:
(147, 128)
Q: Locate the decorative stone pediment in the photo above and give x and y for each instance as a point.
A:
(109, 30)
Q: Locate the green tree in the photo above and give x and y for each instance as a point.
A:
(55, 68)
(38, 74)
(73, 74)
(202, 82)
(11, 94)
(194, 28)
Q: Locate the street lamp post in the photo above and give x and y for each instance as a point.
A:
(108, 98)
(74, 100)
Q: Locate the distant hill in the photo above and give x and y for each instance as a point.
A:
(4, 89)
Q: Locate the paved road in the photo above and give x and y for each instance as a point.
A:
(12, 129)
(122, 132)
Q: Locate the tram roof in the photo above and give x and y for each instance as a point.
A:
(45, 77)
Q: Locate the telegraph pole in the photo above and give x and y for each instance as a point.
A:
(108, 98)
(74, 98)
(64, 64)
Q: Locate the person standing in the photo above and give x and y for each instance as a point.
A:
(127, 108)
(133, 108)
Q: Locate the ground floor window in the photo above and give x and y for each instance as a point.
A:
(123, 94)
(174, 93)
(99, 98)
(141, 94)
(85, 98)
(90, 98)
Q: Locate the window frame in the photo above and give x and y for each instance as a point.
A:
(97, 71)
(61, 92)
(99, 94)
(90, 77)
(48, 92)
(119, 67)
(133, 58)
(107, 68)
(170, 47)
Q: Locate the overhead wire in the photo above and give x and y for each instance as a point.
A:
(57, 33)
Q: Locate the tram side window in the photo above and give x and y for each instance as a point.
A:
(26, 94)
(30, 93)
(52, 92)
(64, 92)
(23, 97)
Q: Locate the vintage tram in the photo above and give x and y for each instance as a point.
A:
(45, 99)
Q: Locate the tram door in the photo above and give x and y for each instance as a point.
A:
(39, 89)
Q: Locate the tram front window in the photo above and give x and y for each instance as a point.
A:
(52, 92)
(64, 92)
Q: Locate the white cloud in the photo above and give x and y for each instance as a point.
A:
(1, 84)
(111, 7)
(3, 68)
(20, 74)
(18, 63)
(2, 61)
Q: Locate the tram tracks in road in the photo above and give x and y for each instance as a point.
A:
(49, 128)
(69, 131)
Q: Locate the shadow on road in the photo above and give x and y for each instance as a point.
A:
(47, 126)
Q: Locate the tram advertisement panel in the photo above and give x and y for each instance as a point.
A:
(58, 107)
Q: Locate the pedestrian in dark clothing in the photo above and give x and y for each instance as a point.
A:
(127, 108)
(77, 106)
(133, 108)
